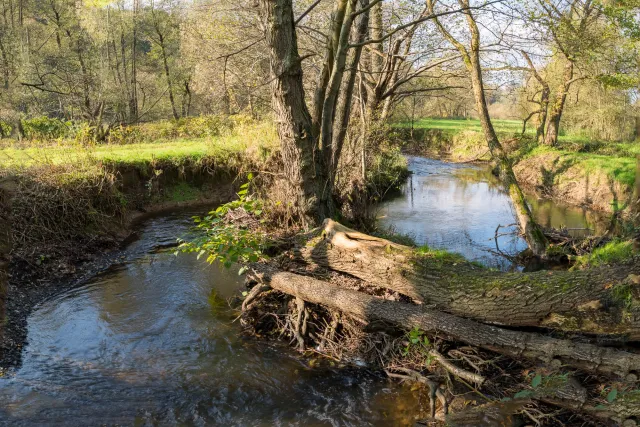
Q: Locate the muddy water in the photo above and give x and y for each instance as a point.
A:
(152, 341)
(459, 206)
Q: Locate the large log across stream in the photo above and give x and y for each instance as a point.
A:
(530, 345)
(601, 300)
(517, 344)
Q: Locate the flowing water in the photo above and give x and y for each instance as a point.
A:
(458, 207)
(152, 340)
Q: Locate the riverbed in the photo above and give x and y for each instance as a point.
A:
(152, 340)
(459, 207)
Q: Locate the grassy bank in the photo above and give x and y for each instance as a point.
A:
(255, 138)
(599, 175)
(69, 200)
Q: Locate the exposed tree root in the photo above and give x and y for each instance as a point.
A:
(584, 301)
(376, 314)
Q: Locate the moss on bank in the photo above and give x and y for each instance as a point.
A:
(614, 252)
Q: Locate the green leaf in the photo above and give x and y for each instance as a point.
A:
(613, 394)
(250, 176)
(523, 394)
(537, 380)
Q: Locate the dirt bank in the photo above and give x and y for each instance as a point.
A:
(53, 236)
(595, 182)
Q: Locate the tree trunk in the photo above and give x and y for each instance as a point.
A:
(337, 18)
(5, 65)
(530, 229)
(408, 316)
(637, 194)
(544, 99)
(585, 301)
(376, 49)
(343, 110)
(303, 165)
(328, 145)
(167, 74)
(553, 127)
(542, 116)
(6, 190)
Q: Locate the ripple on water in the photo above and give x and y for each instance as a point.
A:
(152, 341)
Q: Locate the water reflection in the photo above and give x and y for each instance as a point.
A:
(459, 207)
(153, 341)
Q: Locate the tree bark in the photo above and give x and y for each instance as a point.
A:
(544, 99)
(553, 127)
(533, 235)
(637, 193)
(585, 301)
(343, 109)
(516, 344)
(6, 191)
(328, 143)
(167, 74)
(303, 164)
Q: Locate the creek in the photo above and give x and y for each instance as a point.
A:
(458, 207)
(153, 341)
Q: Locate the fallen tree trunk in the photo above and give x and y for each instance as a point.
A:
(602, 300)
(516, 344)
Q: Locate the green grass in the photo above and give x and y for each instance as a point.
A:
(620, 168)
(256, 138)
(613, 252)
(460, 125)
(615, 159)
(571, 142)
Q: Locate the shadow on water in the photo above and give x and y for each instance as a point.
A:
(152, 340)
(459, 207)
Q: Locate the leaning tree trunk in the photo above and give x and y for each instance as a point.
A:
(553, 127)
(533, 235)
(303, 165)
(602, 300)
(559, 390)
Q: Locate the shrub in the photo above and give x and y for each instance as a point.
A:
(45, 128)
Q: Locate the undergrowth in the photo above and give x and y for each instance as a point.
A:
(613, 252)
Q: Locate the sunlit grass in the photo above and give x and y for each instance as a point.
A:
(620, 168)
(501, 126)
(613, 252)
(615, 159)
(253, 138)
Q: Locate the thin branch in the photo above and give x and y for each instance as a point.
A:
(306, 12)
